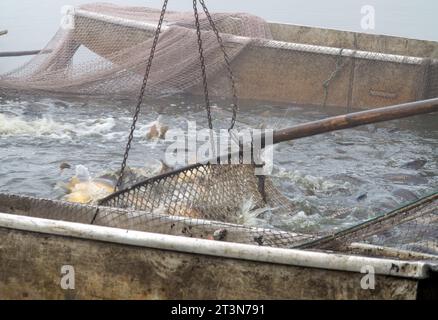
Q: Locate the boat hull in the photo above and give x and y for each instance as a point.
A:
(111, 263)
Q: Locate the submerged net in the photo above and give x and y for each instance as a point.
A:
(412, 227)
(150, 221)
(106, 50)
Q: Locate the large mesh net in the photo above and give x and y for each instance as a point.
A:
(149, 221)
(105, 52)
(207, 191)
(412, 227)
(106, 49)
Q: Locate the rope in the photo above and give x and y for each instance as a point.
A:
(333, 75)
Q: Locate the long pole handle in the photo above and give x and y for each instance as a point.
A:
(355, 119)
(23, 53)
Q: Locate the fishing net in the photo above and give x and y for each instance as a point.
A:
(105, 51)
(412, 227)
(207, 191)
(149, 221)
(217, 192)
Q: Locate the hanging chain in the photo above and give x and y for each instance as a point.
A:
(141, 95)
(204, 79)
(227, 64)
(202, 60)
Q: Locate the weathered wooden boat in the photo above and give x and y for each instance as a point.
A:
(170, 258)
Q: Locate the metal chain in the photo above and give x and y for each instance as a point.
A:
(227, 64)
(204, 78)
(141, 95)
(202, 60)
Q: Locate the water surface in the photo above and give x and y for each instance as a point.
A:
(335, 179)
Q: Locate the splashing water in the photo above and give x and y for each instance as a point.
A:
(334, 179)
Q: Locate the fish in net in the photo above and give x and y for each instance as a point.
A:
(207, 191)
(411, 227)
(149, 221)
(216, 192)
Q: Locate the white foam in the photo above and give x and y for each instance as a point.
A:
(249, 215)
(12, 125)
(309, 182)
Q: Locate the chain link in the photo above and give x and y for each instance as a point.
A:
(227, 64)
(141, 95)
(202, 60)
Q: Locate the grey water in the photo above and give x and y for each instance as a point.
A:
(364, 170)
(335, 179)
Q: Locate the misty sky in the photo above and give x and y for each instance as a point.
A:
(31, 23)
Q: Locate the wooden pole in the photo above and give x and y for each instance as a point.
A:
(22, 53)
(352, 120)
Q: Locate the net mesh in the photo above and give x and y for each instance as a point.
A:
(105, 51)
(149, 221)
(412, 227)
(207, 191)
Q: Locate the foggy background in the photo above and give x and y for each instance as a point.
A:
(32, 23)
